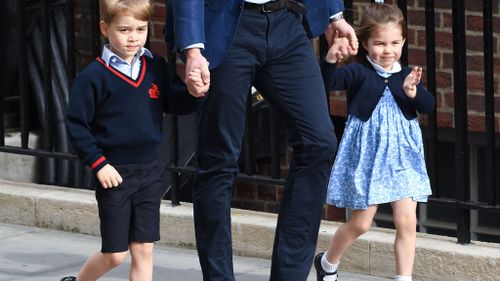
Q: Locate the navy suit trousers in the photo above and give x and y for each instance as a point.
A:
(272, 52)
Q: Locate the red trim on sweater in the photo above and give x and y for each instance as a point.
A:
(125, 77)
(97, 162)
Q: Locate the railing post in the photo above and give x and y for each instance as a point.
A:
(403, 6)
(4, 25)
(24, 97)
(70, 41)
(74, 171)
(430, 44)
(47, 91)
(461, 120)
(489, 102)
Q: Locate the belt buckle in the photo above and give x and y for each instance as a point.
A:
(264, 10)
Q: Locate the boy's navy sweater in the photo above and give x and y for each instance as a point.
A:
(365, 88)
(112, 118)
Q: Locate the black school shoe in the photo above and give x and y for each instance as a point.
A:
(68, 278)
(320, 273)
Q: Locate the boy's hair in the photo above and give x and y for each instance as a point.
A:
(139, 9)
(375, 15)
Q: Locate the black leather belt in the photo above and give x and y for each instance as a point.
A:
(273, 6)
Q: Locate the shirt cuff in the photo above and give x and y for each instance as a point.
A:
(337, 16)
(197, 45)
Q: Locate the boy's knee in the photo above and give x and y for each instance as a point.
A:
(141, 250)
(115, 259)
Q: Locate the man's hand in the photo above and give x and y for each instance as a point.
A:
(109, 177)
(411, 81)
(336, 52)
(345, 30)
(194, 61)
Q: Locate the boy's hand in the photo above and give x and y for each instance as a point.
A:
(194, 77)
(339, 50)
(195, 60)
(109, 177)
(411, 81)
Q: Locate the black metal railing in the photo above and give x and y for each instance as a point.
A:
(462, 202)
(41, 65)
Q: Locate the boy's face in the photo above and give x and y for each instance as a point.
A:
(385, 45)
(126, 35)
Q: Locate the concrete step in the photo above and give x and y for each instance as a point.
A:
(75, 210)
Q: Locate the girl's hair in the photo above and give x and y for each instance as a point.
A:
(373, 16)
(139, 9)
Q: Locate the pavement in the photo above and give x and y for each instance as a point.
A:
(32, 253)
(49, 231)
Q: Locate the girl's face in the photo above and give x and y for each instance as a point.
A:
(385, 44)
(126, 35)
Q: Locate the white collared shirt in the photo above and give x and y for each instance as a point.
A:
(258, 1)
(129, 69)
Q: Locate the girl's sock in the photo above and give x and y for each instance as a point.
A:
(327, 266)
(402, 278)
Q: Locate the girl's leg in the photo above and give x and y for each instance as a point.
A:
(98, 264)
(405, 220)
(141, 268)
(358, 224)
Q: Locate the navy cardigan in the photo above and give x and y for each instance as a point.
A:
(365, 88)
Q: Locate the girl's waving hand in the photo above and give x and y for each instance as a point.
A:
(411, 81)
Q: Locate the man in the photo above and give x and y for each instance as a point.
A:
(262, 43)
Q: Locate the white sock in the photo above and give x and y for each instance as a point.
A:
(327, 266)
(402, 278)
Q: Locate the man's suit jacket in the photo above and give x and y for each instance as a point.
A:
(214, 23)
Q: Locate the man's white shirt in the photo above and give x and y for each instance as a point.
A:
(258, 1)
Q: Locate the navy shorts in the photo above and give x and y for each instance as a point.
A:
(131, 211)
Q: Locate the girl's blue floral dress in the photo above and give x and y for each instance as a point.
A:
(380, 160)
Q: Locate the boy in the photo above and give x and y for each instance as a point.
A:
(114, 120)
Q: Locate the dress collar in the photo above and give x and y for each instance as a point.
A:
(396, 67)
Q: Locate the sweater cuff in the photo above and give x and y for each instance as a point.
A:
(98, 164)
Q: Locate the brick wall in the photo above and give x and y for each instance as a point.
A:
(266, 198)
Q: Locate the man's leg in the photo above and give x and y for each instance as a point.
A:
(292, 83)
(220, 133)
(222, 122)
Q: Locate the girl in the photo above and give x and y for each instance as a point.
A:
(380, 158)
